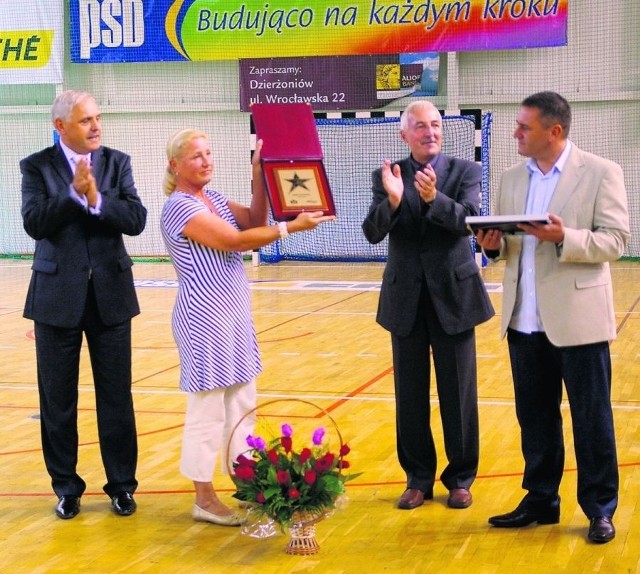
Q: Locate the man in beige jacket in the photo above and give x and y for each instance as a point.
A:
(558, 312)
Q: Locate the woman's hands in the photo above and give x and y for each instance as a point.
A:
(255, 159)
(308, 220)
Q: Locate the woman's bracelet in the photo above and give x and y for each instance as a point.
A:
(283, 229)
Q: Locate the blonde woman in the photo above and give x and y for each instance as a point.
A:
(205, 234)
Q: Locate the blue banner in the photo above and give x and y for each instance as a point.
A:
(104, 31)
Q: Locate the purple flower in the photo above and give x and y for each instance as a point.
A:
(256, 442)
(318, 435)
(287, 430)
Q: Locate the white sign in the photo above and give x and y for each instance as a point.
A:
(31, 41)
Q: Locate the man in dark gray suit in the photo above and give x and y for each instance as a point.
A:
(432, 297)
(78, 199)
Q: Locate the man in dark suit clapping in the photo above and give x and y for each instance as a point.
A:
(78, 199)
(432, 297)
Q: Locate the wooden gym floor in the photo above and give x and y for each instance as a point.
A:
(320, 343)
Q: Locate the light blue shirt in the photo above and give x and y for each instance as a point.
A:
(526, 316)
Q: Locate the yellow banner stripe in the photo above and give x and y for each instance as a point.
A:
(25, 48)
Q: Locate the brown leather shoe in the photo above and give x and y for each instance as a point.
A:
(459, 498)
(411, 498)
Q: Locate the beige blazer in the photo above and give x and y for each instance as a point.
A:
(573, 282)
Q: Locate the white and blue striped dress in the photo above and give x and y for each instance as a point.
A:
(212, 322)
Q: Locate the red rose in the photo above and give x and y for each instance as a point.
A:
(286, 443)
(245, 473)
(310, 477)
(305, 455)
(244, 461)
(272, 455)
(260, 497)
(294, 493)
(325, 462)
(283, 477)
(343, 464)
(344, 450)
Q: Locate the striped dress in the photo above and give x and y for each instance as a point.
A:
(212, 323)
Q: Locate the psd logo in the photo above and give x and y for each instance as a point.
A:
(110, 24)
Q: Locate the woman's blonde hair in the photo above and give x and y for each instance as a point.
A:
(174, 148)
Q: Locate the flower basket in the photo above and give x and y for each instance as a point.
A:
(302, 533)
(293, 487)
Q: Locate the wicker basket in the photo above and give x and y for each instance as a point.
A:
(302, 531)
(302, 534)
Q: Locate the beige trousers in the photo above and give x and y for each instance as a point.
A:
(210, 419)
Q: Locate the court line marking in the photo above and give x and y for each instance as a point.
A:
(177, 392)
(285, 285)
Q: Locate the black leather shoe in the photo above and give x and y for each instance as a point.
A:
(601, 529)
(68, 506)
(123, 504)
(525, 515)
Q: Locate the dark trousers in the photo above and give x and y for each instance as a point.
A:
(539, 368)
(58, 358)
(454, 358)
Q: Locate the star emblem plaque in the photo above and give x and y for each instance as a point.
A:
(292, 160)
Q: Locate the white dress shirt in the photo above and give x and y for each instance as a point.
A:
(526, 317)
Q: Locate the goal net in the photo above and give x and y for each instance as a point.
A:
(353, 148)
